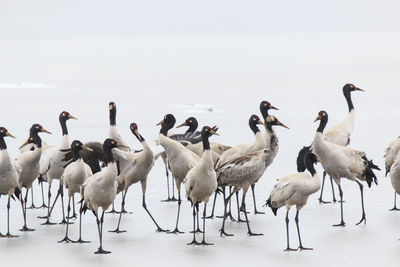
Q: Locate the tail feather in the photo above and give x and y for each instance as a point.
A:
(368, 171)
(17, 193)
(268, 203)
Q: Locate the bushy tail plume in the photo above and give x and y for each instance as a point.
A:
(268, 203)
(368, 171)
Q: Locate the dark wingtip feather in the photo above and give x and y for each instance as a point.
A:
(268, 203)
(369, 173)
(17, 193)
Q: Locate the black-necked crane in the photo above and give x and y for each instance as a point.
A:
(201, 182)
(180, 159)
(29, 147)
(113, 133)
(52, 166)
(271, 142)
(343, 162)
(391, 153)
(9, 175)
(295, 190)
(190, 136)
(74, 175)
(100, 189)
(242, 172)
(240, 150)
(340, 133)
(29, 163)
(137, 170)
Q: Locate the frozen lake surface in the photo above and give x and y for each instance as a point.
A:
(218, 74)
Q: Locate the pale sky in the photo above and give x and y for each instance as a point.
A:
(48, 19)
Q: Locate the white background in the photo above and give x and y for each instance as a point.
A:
(183, 57)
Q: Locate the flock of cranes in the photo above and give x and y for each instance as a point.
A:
(98, 171)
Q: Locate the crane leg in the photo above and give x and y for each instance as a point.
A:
(66, 238)
(40, 181)
(80, 240)
(254, 200)
(394, 207)
(159, 229)
(120, 214)
(226, 200)
(48, 208)
(167, 174)
(363, 218)
(238, 208)
(194, 242)
(298, 232)
(23, 203)
(176, 230)
(100, 228)
(342, 223)
(287, 233)
(213, 207)
(322, 190)
(333, 190)
(8, 220)
(204, 227)
(33, 204)
(249, 232)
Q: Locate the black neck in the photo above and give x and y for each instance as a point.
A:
(204, 138)
(3, 145)
(36, 139)
(264, 111)
(63, 123)
(165, 128)
(109, 155)
(76, 154)
(310, 166)
(139, 137)
(253, 127)
(322, 124)
(269, 126)
(192, 127)
(347, 95)
(113, 115)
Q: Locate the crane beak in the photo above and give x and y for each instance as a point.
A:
(260, 122)
(87, 148)
(214, 132)
(272, 107)
(24, 144)
(281, 124)
(317, 118)
(10, 135)
(319, 160)
(181, 125)
(359, 89)
(72, 117)
(45, 131)
(160, 123)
